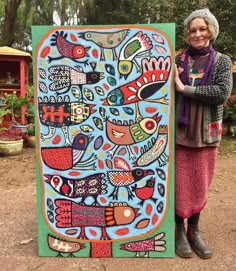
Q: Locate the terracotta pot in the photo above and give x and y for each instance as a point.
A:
(10, 148)
(31, 141)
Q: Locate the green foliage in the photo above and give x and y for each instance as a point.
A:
(31, 130)
(21, 14)
(14, 105)
(231, 110)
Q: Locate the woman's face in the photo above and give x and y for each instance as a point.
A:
(198, 33)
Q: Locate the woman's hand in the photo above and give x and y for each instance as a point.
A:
(179, 86)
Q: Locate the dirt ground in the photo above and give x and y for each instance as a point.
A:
(18, 223)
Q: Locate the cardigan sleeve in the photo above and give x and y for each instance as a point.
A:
(221, 84)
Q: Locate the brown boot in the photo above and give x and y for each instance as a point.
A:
(182, 246)
(197, 243)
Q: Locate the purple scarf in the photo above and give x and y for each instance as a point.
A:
(191, 52)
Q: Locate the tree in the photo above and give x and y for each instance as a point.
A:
(9, 22)
(17, 16)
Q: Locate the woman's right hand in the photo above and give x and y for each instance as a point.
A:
(178, 83)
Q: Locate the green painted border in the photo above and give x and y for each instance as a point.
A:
(38, 32)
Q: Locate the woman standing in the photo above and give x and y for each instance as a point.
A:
(203, 79)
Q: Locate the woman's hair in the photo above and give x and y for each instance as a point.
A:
(210, 27)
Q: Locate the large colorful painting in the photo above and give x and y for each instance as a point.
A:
(104, 100)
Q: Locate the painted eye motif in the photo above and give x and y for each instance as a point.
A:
(78, 51)
(81, 141)
(113, 98)
(139, 172)
(79, 111)
(149, 125)
(94, 76)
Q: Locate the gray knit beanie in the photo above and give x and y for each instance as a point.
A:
(203, 13)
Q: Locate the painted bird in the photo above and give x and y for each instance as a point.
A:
(126, 134)
(89, 186)
(71, 214)
(105, 40)
(155, 73)
(65, 77)
(146, 192)
(59, 112)
(64, 158)
(67, 49)
(155, 244)
(125, 178)
(138, 46)
(154, 150)
(63, 246)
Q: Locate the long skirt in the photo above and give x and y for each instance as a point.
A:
(194, 170)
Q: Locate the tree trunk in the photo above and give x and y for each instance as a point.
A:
(8, 33)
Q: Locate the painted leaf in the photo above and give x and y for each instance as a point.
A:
(158, 38)
(95, 53)
(102, 111)
(111, 81)
(45, 51)
(110, 69)
(160, 50)
(114, 111)
(106, 147)
(88, 94)
(42, 73)
(43, 87)
(86, 128)
(76, 92)
(106, 86)
(154, 219)
(150, 109)
(120, 163)
(161, 173)
(100, 164)
(142, 224)
(161, 189)
(50, 204)
(74, 173)
(99, 91)
(98, 123)
(148, 209)
(128, 110)
(160, 207)
(123, 231)
(50, 216)
(109, 163)
(73, 37)
(71, 232)
(56, 140)
(98, 142)
(122, 151)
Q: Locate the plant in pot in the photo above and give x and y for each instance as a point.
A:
(11, 140)
(30, 137)
(15, 104)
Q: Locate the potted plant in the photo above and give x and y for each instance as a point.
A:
(15, 104)
(30, 137)
(11, 141)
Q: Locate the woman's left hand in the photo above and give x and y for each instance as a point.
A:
(179, 86)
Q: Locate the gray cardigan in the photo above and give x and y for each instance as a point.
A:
(213, 96)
